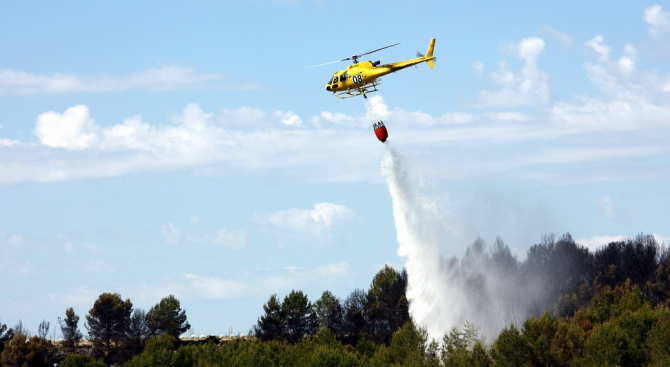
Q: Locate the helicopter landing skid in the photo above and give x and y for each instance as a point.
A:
(363, 90)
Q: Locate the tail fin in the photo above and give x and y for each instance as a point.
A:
(430, 62)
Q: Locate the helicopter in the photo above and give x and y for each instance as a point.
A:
(363, 77)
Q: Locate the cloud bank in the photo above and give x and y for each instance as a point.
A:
(517, 130)
(160, 79)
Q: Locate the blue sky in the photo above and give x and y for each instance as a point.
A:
(170, 148)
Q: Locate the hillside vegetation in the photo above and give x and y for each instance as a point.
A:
(609, 307)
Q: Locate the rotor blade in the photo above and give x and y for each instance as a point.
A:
(419, 54)
(369, 52)
(313, 66)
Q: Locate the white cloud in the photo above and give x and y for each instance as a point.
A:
(658, 20)
(288, 118)
(78, 298)
(234, 239)
(600, 75)
(661, 239)
(73, 129)
(561, 37)
(528, 86)
(216, 288)
(320, 224)
(599, 46)
(223, 236)
(627, 61)
(620, 129)
(334, 270)
(596, 242)
(261, 283)
(324, 216)
(164, 78)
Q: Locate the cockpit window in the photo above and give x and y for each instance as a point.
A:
(335, 79)
(343, 77)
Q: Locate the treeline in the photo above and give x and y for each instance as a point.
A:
(116, 330)
(374, 315)
(618, 328)
(608, 307)
(556, 276)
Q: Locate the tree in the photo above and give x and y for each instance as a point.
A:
(21, 351)
(138, 331)
(158, 352)
(70, 330)
(457, 342)
(5, 335)
(510, 349)
(388, 308)
(107, 321)
(168, 317)
(354, 318)
(79, 360)
(408, 342)
(271, 325)
(43, 329)
(19, 329)
(299, 319)
(328, 312)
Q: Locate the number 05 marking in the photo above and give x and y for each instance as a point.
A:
(357, 79)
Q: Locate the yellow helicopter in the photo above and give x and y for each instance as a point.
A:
(364, 77)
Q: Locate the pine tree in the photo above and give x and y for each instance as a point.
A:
(271, 325)
(108, 320)
(70, 329)
(168, 317)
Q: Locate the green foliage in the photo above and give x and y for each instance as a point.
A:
(354, 316)
(608, 345)
(6, 334)
(325, 337)
(610, 303)
(511, 349)
(658, 339)
(299, 319)
(388, 308)
(539, 334)
(365, 347)
(328, 311)
(24, 352)
(70, 330)
(408, 346)
(271, 325)
(456, 341)
(107, 321)
(138, 331)
(78, 360)
(159, 351)
(168, 317)
(463, 348)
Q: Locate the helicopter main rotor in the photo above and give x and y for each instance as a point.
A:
(354, 58)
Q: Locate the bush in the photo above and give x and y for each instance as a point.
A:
(78, 360)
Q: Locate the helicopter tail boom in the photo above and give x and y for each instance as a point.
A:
(431, 62)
